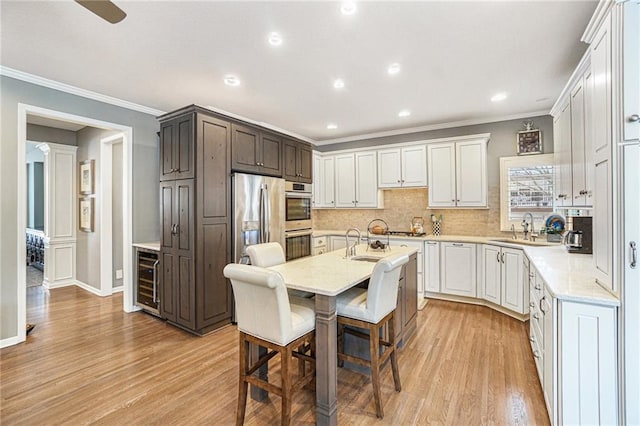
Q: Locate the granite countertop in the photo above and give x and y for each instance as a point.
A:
(151, 245)
(569, 276)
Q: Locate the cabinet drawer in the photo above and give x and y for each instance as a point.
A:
(538, 356)
(319, 242)
(318, 250)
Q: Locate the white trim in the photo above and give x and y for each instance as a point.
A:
(59, 284)
(10, 341)
(448, 125)
(596, 20)
(118, 289)
(484, 136)
(67, 88)
(89, 288)
(127, 155)
(577, 75)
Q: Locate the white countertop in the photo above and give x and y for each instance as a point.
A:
(152, 245)
(330, 274)
(569, 276)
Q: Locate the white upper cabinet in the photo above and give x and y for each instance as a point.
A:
(458, 173)
(325, 181)
(581, 162)
(402, 167)
(562, 156)
(631, 71)
(317, 180)
(356, 175)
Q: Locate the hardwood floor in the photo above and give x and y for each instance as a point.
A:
(88, 362)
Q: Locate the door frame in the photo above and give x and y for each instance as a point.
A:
(127, 156)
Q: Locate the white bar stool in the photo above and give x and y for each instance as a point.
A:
(371, 309)
(267, 317)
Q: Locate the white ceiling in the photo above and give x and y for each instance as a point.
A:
(454, 57)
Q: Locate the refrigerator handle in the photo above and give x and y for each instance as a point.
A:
(267, 215)
(263, 213)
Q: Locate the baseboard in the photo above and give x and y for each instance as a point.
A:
(422, 302)
(480, 302)
(65, 283)
(117, 289)
(89, 288)
(10, 341)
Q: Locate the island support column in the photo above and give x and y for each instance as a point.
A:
(326, 361)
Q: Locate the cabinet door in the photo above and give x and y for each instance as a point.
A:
(588, 138)
(458, 269)
(305, 161)
(414, 166)
(578, 156)
(176, 149)
(337, 243)
(398, 320)
(389, 168)
(490, 279)
(512, 287)
(270, 154)
(184, 274)
(442, 175)
(167, 134)
(471, 174)
(588, 364)
(562, 155)
(213, 291)
(317, 181)
(631, 71)
(410, 290)
(290, 150)
(346, 178)
(167, 253)
(366, 179)
(327, 179)
(245, 149)
(213, 146)
(432, 265)
(548, 308)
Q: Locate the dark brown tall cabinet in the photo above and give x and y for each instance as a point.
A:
(195, 219)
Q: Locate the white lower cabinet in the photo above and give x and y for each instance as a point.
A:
(502, 278)
(319, 245)
(574, 346)
(336, 242)
(432, 267)
(458, 269)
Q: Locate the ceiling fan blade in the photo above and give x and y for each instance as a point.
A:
(104, 9)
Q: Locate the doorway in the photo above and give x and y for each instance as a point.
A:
(123, 140)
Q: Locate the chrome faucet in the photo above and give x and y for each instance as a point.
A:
(513, 231)
(351, 250)
(525, 225)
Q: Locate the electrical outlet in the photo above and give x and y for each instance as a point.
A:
(118, 274)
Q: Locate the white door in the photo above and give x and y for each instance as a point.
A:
(366, 179)
(512, 280)
(442, 174)
(432, 266)
(389, 168)
(471, 174)
(578, 156)
(414, 166)
(346, 180)
(317, 180)
(327, 190)
(562, 155)
(458, 269)
(490, 279)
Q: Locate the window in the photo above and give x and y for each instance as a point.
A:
(526, 186)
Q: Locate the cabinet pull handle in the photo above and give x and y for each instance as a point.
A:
(532, 305)
(537, 287)
(633, 118)
(498, 257)
(453, 201)
(634, 254)
(502, 257)
(536, 354)
(536, 316)
(457, 244)
(541, 305)
(532, 339)
(173, 229)
(155, 280)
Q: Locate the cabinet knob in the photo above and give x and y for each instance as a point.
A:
(453, 201)
(398, 180)
(634, 118)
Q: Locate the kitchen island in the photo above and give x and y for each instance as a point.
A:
(327, 276)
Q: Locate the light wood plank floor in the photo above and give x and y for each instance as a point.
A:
(88, 362)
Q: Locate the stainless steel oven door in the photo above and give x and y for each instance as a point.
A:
(298, 244)
(297, 210)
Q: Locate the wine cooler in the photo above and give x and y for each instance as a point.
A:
(147, 296)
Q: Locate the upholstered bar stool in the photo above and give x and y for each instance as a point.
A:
(269, 318)
(371, 309)
(270, 254)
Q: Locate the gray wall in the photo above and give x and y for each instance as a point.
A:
(37, 133)
(502, 144)
(145, 175)
(116, 213)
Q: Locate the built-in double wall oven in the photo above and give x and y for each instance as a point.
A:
(298, 220)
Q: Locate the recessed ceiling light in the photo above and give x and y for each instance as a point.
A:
(404, 113)
(231, 80)
(338, 83)
(275, 39)
(394, 68)
(332, 126)
(499, 97)
(348, 8)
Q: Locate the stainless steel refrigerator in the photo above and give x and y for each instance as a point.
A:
(259, 212)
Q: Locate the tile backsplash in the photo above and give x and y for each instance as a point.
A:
(401, 205)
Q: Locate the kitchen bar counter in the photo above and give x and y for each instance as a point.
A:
(569, 276)
(154, 245)
(328, 275)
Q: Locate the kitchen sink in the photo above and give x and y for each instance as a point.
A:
(365, 258)
(522, 242)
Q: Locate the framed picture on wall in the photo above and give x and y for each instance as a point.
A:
(86, 177)
(86, 214)
(529, 142)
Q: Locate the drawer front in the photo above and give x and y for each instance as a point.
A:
(538, 357)
(318, 250)
(319, 242)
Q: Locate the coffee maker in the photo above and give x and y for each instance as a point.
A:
(579, 237)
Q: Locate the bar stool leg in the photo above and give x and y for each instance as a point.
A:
(243, 386)
(374, 346)
(392, 348)
(286, 385)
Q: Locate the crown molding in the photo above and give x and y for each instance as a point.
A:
(73, 90)
(596, 20)
(426, 128)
